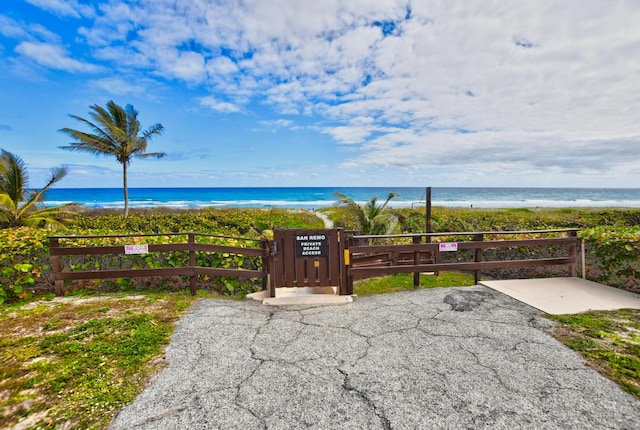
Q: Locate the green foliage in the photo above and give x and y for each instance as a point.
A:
(404, 282)
(74, 365)
(248, 222)
(371, 218)
(608, 340)
(618, 252)
(461, 220)
(24, 261)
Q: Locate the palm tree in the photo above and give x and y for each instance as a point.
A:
(116, 133)
(372, 218)
(19, 205)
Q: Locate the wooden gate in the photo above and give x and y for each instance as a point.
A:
(306, 258)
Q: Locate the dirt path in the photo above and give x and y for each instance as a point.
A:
(327, 222)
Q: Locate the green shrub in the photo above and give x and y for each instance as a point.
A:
(617, 253)
(24, 262)
(233, 222)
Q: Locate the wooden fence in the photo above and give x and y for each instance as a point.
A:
(191, 246)
(356, 257)
(368, 257)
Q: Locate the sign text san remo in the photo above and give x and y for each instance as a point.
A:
(313, 245)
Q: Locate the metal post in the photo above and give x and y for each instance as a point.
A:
(428, 213)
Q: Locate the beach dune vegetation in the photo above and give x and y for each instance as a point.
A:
(21, 206)
(114, 132)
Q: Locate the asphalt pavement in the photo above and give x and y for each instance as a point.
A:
(442, 358)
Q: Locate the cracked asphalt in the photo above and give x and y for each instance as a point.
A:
(441, 358)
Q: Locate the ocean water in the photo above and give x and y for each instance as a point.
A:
(312, 197)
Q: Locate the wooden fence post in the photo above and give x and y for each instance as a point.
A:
(193, 286)
(416, 261)
(573, 254)
(274, 270)
(347, 278)
(264, 245)
(478, 257)
(56, 266)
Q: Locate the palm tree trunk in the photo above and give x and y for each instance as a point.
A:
(126, 190)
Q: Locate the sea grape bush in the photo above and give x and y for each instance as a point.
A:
(616, 251)
(460, 220)
(233, 222)
(24, 262)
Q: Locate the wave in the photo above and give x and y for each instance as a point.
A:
(315, 204)
(311, 198)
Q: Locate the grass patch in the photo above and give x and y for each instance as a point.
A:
(609, 341)
(74, 362)
(404, 282)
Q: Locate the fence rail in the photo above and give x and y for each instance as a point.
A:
(423, 255)
(191, 247)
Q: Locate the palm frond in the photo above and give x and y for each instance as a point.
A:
(151, 155)
(57, 174)
(14, 175)
(154, 130)
(132, 123)
(7, 208)
(19, 206)
(371, 216)
(51, 217)
(389, 197)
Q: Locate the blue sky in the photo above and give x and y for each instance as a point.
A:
(330, 92)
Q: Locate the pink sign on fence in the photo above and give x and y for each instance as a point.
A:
(136, 249)
(448, 246)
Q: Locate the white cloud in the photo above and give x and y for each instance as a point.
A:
(218, 105)
(11, 28)
(64, 7)
(276, 124)
(498, 86)
(118, 86)
(123, 57)
(20, 30)
(188, 66)
(54, 57)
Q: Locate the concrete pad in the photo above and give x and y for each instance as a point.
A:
(565, 295)
(301, 296)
